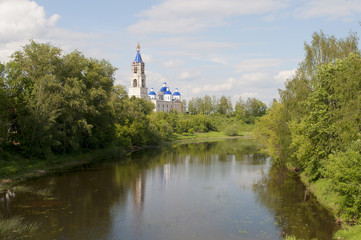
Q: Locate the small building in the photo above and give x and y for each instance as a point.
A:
(164, 100)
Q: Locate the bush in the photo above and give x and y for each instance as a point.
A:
(343, 169)
(231, 130)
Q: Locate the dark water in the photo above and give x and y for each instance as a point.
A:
(214, 190)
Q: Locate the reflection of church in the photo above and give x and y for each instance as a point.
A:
(164, 100)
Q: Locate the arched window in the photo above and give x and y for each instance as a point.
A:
(143, 84)
(135, 83)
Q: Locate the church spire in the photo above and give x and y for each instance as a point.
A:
(138, 58)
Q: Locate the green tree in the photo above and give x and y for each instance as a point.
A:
(325, 49)
(207, 103)
(224, 105)
(272, 129)
(240, 109)
(4, 107)
(58, 103)
(133, 127)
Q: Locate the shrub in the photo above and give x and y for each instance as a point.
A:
(343, 169)
(231, 130)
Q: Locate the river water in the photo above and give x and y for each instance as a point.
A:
(211, 190)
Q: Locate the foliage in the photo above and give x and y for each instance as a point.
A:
(232, 130)
(57, 103)
(316, 125)
(350, 233)
(273, 131)
(343, 169)
(247, 111)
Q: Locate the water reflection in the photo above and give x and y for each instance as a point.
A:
(294, 209)
(212, 190)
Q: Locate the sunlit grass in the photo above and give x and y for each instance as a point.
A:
(350, 233)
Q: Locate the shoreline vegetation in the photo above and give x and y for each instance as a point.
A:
(20, 169)
(57, 109)
(63, 110)
(314, 129)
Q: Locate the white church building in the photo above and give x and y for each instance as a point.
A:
(164, 100)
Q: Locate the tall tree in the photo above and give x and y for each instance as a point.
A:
(240, 109)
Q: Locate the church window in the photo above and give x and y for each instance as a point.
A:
(135, 83)
(135, 69)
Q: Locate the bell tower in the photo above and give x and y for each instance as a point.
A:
(138, 86)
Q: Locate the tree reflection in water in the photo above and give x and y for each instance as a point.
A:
(296, 211)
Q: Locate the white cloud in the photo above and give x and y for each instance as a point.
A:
(21, 19)
(173, 63)
(187, 16)
(155, 80)
(282, 76)
(185, 75)
(147, 58)
(257, 64)
(331, 9)
(259, 79)
(214, 87)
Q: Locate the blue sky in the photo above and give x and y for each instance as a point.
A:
(236, 48)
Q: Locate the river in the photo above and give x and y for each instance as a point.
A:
(212, 190)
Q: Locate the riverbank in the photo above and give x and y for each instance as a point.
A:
(329, 199)
(15, 168)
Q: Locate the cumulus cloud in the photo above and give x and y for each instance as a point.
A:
(188, 16)
(23, 19)
(331, 9)
(282, 76)
(214, 87)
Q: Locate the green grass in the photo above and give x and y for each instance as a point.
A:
(328, 198)
(322, 190)
(349, 233)
(243, 130)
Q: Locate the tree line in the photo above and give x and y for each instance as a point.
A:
(247, 111)
(315, 127)
(56, 103)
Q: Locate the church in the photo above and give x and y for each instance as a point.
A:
(164, 100)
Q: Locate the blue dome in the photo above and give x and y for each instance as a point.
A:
(152, 93)
(176, 93)
(167, 92)
(164, 87)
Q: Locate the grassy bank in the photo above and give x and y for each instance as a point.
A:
(15, 168)
(244, 130)
(328, 198)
